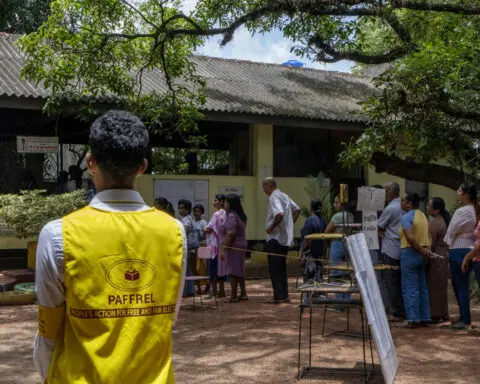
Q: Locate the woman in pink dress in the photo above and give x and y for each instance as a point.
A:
(215, 266)
(233, 242)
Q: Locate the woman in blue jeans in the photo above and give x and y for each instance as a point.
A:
(337, 250)
(460, 240)
(414, 254)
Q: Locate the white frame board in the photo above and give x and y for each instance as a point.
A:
(372, 301)
(197, 191)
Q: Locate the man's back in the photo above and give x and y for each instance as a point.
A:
(280, 202)
(122, 275)
(389, 221)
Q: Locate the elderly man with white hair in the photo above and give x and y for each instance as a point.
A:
(282, 214)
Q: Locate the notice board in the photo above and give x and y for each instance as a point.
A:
(372, 301)
(173, 190)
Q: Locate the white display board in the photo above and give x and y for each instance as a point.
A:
(37, 144)
(372, 301)
(173, 190)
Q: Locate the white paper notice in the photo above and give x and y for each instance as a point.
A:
(370, 199)
(370, 229)
(201, 190)
(196, 191)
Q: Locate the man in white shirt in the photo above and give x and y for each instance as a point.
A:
(282, 214)
(118, 142)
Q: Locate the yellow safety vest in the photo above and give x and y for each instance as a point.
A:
(122, 277)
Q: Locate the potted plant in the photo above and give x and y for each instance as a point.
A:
(319, 188)
(26, 213)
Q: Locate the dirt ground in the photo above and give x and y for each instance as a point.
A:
(254, 342)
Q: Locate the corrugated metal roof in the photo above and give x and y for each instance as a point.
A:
(234, 86)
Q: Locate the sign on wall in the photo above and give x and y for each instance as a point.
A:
(37, 144)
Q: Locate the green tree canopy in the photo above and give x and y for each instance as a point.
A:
(423, 109)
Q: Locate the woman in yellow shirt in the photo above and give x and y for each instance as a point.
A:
(414, 255)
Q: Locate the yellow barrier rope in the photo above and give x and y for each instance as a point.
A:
(378, 267)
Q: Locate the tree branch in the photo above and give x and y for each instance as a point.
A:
(427, 173)
(430, 6)
(139, 13)
(331, 55)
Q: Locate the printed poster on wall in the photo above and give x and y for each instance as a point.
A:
(174, 190)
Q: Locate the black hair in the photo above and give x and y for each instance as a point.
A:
(316, 207)
(220, 197)
(470, 189)
(187, 204)
(413, 198)
(164, 205)
(119, 143)
(439, 203)
(236, 206)
(199, 206)
(161, 202)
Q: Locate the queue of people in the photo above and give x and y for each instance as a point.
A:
(428, 249)
(225, 238)
(421, 252)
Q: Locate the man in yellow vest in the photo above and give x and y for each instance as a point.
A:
(109, 277)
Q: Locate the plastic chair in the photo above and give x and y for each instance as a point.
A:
(202, 253)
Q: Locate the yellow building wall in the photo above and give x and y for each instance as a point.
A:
(7, 242)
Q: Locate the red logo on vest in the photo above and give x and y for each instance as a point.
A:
(132, 275)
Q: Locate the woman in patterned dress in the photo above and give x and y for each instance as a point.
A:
(233, 234)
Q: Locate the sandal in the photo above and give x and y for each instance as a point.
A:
(408, 324)
(234, 300)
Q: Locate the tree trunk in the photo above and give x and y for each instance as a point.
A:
(428, 173)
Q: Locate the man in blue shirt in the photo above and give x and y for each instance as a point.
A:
(388, 225)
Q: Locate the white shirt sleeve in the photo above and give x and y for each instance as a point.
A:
(184, 270)
(294, 205)
(49, 287)
(276, 206)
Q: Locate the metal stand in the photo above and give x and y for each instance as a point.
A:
(310, 371)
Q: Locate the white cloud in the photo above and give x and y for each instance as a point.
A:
(268, 48)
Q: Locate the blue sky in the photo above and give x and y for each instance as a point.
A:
(268, 48)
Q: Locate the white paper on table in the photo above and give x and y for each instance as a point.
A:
(370, 199)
